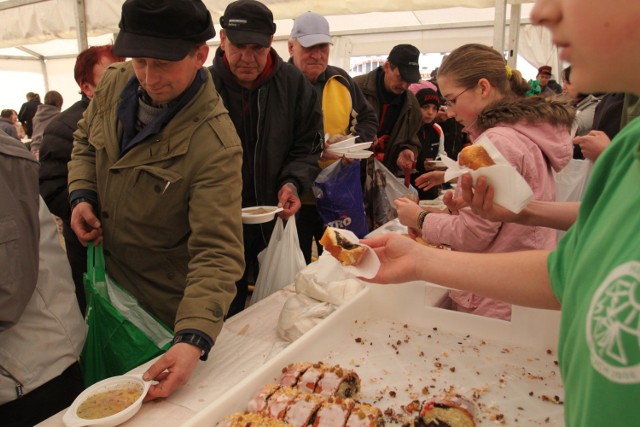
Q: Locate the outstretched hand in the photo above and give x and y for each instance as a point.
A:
(429, 180)
(592, 144)
(172, 370)
(397, 256)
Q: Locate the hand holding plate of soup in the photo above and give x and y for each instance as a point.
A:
(259, 214)
(107, 403)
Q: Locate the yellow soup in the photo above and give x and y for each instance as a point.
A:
(109, 402)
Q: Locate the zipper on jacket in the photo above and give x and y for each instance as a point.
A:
(255, 163)
(18, 384)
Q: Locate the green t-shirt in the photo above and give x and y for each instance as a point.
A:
(595, 273)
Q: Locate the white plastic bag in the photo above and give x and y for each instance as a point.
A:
(280, 261)
(299, 314)
(572, 180)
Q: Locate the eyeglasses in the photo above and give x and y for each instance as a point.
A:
(452, 102)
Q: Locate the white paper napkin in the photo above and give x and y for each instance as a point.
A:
(367, 267)
(511, 190)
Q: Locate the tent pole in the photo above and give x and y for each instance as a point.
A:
(498, 30)
(81, 25)
(514, 35)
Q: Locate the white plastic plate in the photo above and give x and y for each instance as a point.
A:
(344, 143)
(364, 154)
(248, 217)
(355, 147)
(71, 418)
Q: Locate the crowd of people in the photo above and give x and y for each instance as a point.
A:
(168, 143)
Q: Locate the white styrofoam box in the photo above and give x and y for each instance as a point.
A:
(404, 349)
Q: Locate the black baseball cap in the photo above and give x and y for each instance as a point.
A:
(248, 22)
(406, 57)
(162, 29)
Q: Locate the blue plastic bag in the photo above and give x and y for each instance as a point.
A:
(338, 195)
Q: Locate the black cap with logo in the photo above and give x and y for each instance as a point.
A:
(406, 57)
(248, 22)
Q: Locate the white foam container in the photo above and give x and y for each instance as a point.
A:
(397, 342)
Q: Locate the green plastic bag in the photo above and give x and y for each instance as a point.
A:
(121, 335)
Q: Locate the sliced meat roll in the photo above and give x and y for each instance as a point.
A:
(334, 412)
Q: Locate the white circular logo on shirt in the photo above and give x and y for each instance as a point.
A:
(613, 325)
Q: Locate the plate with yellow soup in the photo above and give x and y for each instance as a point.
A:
(107, 403)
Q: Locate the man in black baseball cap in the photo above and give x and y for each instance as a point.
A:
(159, 159)
(278, 118)
(248, 22)
(386, 89)
(406, 57)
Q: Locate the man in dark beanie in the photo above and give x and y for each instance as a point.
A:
(278, 118)
(155, 177)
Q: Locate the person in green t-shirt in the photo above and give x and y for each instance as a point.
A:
(594, 274)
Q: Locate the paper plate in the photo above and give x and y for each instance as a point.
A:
(259, 214)
(344, 143)
(355, 147)
(130, 383)
(358, 154)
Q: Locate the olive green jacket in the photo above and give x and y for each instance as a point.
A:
(170, 207)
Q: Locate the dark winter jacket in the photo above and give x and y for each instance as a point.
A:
(55, 153)
(280, 122)
(404, 134)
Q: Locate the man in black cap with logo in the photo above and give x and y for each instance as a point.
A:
(396, 144)
(278, 118)
(155, 176)
(386, 89)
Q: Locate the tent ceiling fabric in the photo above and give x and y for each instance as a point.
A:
(55, 19)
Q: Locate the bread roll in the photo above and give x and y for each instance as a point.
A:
(475, 157)
(342, 249)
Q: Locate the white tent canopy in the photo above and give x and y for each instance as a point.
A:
(39, 39)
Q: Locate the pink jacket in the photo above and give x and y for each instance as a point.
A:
(534, 150)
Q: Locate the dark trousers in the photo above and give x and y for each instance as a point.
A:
(45, 401)
(310, 225)
(253, 245)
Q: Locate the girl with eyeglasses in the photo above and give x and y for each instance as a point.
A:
(532, 134)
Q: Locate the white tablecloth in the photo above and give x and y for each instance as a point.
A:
(246, 342)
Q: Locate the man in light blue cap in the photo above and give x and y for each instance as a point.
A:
(344, 107)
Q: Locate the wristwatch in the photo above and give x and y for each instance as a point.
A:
(194, 339)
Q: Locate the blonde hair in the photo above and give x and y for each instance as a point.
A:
(469, 63)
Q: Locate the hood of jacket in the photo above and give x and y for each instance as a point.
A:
(551, 120)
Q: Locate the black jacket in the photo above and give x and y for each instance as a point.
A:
(280, 125)
(27, 111)
(55, 153)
